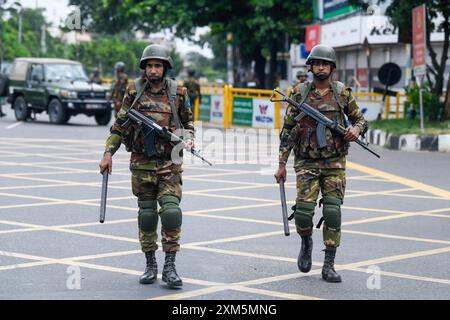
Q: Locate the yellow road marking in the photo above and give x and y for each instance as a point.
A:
(398, 179)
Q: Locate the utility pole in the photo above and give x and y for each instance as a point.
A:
(43, 40)
(19, 35)
(230, 66)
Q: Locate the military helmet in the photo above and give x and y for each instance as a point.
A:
(191, 72)
(156, 51)
(301, 73)
(322, 52)
(119, 66)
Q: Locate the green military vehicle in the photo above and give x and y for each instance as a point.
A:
(58, 86)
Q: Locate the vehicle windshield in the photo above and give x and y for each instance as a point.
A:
(5, 67)
(57, 72)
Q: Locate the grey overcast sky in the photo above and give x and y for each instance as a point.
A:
(57, 12)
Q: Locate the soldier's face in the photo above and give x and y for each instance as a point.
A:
(321, 69)
(302, 78)
(154, 70)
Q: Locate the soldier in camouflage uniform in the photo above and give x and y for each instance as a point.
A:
(155, 179)
(119, 86)
(301, 76)
(319, 169)
(193, 87)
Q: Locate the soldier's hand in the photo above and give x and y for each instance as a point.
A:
(280, 175)
(352, 133)
(189, 144)
(106, 163)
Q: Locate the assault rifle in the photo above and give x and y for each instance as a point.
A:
(322, 121)
(151, 129)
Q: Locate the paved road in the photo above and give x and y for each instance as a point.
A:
(395, 245)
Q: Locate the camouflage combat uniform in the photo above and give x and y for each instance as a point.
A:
(157, 176)
(118, 89)
(319, 169)
(193, 89)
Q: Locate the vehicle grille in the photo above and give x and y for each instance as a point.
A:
(91, 95)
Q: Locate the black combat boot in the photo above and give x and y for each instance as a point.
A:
(328, 272)
(151, 270)
(169, 274)
(304, 257)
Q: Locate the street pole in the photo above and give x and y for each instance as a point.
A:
(43, 40)
(422, 127)
(287, 57)
(19, 35)
(230, 76)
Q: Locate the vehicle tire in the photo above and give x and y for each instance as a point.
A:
(21, 111)
(56, 112)
(104, 118)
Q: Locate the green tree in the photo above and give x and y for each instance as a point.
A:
(204, 67)
(30, 44)
(104, 51)
(260, 28)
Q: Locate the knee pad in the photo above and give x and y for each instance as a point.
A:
(170, 212)
(304, 213)
(148, 215)
(332, 212)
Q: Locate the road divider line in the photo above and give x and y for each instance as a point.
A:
(14, 125)
(398, 179)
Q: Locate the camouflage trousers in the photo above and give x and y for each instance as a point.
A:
(149, 185)
(331, 183)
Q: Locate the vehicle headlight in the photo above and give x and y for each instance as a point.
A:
(108, 95)
(68, 94)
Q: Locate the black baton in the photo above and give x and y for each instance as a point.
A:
(284, 208)
(104, 193)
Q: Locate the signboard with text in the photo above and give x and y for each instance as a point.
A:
(253, 112)
(312, 36)
(217, 109)
(335, 8)
(242, 111)
(419, 32)
(342, 33)
(263, 113)
(204, 109)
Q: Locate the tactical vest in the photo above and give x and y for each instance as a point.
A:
(192, 89)
(160, 108)
(304, 132)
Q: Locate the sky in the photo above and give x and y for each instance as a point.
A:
(57, 12)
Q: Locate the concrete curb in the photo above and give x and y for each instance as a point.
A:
(409, 142)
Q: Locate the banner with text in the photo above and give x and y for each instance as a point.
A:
(204, 109)
(216, 109)
(263, 113)
(253, 112)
